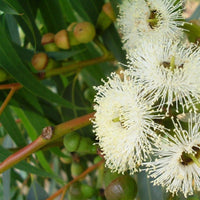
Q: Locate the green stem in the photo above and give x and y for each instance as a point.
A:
(155, 21)
(196, 161)
(172, 63)
(116, 119)
(77, 66)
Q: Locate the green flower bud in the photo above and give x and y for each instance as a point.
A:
(75, 192)
(47, 38)
(51, 64)
(87, 191)
(84, 32)
(108, 10)
(86, 146)
(51, 47)
(122, 188)
(67, 158)
(72, 141)
(72, 39)
(71, 26)
(39, 61)
(3, 75)
(76, 169)
(61, 39)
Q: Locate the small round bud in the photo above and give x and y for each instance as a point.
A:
(72, 39)
(66, 158)
(86, 146)
(122, 188)
(108, 10)
(75, 192)
(47, 38)
(3, 75)
(61, 39)
(72, 141)
(71, 26)
(84, 32)
(76, 169)
(51, 47)
(39, 61)
(87, 191)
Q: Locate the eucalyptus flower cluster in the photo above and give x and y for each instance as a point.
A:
(148, 114)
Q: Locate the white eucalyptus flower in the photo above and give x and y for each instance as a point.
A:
(124, 123)
(143, 19)
(177, 166)
(168, 71)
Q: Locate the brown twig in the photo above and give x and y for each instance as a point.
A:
(64, 189)
(48, 135)
(13, 87)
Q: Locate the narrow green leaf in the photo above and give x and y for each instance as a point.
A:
(113, 43)
(36, 192)
(7, 9)
(68, 11)
(151, 192)
(52, 15)
(62, 55)
(13, 29)
(6, 184)
(13, 131)
(26, 20)
(88, 9)
(32, 132)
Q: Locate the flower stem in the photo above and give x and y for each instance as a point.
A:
(172, 63)
(116, 119)
(79, 65)
(44, 139)
(196, 160)
(152, 21)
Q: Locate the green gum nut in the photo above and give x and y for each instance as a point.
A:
(76, 169)
(51, 64)
(72, 141)
(75, 192)
(86, 146)
(108, 10)
(51, 47)
(61, 39)
(39, 61)
(72, 39)
(3, 75)
(84, 32)
(87, 191)
(48, 42)
(66, 158)
(122, 188)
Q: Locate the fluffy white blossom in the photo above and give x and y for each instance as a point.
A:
(168, 71)
(177, 166)
(140, 20)
(124, 123)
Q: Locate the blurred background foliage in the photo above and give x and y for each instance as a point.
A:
(62, 89)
